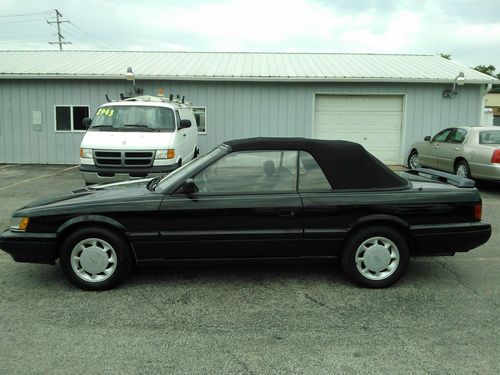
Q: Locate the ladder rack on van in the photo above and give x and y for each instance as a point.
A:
(151, 98)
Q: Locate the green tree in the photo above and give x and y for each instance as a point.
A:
(486, 69)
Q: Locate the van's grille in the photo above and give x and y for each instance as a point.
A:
(124, 158)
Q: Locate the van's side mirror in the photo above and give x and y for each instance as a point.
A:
(86, 121)
(184, 124)
(428, 138)
(189, 187)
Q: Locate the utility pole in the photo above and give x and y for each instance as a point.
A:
(60, 42)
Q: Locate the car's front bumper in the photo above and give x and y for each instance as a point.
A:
(439, 239)
(92, 174)
(29, 247)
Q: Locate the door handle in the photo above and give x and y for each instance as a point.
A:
(184, 135)
(457, 148)
(436, 146)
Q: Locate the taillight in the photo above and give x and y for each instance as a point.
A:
(495, 158)
(478, 211)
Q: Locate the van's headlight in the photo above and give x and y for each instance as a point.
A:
(19, 224)
(86, 153)
(165, 154)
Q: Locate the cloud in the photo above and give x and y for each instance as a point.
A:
(469, 30)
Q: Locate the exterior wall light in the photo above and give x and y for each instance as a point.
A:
(458, 81)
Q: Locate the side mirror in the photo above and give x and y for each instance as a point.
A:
(184, 124)
(189, 187)
(428, 138)
(86, 121)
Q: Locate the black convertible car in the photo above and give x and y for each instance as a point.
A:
(256, 198)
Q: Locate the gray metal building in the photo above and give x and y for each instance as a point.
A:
(384, 102)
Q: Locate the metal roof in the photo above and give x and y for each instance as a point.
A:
(234, 66)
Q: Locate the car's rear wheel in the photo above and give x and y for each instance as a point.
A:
(375, 257)
(413, 160)
(95, 258)
(462, 169)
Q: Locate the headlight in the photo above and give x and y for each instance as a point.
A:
(19, 224)
(86, 153)
(165, 154)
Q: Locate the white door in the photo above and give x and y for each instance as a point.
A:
(371, 120)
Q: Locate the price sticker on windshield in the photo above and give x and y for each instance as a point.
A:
(105, 112)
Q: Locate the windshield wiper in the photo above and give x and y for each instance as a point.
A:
(102, 126)
(141, 126)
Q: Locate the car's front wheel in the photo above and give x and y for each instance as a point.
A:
(413, 160)
(462, 169)
(95, 258)
(375, 257)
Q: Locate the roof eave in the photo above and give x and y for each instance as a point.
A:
(243, 79)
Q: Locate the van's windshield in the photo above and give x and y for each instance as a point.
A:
(134, 118)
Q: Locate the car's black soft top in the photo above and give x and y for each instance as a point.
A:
(346, 165)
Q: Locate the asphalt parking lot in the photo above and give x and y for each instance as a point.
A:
(442, 318)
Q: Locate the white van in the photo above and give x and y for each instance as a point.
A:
(137, 137)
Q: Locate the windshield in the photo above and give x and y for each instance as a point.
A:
(134, 118)
(189, 169)
(491, 137)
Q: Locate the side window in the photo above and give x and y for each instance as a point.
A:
(200, 114)
(442, 135)
(311, 177)
(458, 136)
(69, 117)
(250, 172)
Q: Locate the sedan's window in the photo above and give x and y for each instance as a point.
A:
(458, 136)
(311, 177)
(442, 135)
(489, 137)
(250, 172)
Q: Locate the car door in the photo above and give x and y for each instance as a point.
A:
(428, 155)
(247, 206)
(450, 149)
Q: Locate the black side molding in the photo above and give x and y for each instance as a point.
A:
(443, 177)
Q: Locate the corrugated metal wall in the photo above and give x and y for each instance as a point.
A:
(234, 110)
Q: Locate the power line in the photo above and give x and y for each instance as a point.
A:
(23, 21)
(23, 14)
(94, 36)
(60, 37)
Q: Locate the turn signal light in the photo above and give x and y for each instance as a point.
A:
(170, 153)
(478, 211)
(495, 158)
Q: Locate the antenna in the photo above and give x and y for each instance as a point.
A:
(60, 42)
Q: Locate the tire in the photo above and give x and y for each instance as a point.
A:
(107, 258)
(462, 169)
(379, 266)
(413, 161)
(196, 153)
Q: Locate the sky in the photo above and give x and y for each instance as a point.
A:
(468, 30)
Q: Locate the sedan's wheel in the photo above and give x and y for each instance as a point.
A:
(413, 160)
(95, 258)
(462, 169)
(375, 257)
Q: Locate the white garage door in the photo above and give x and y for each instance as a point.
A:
(374, 121)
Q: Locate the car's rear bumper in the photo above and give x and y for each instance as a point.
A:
(449, 238)
(488, 171)
(29, 247)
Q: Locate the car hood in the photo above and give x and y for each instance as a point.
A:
(132, 140)
(88, 198)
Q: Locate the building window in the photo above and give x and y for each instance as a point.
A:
(69, 117)
(200, 114)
